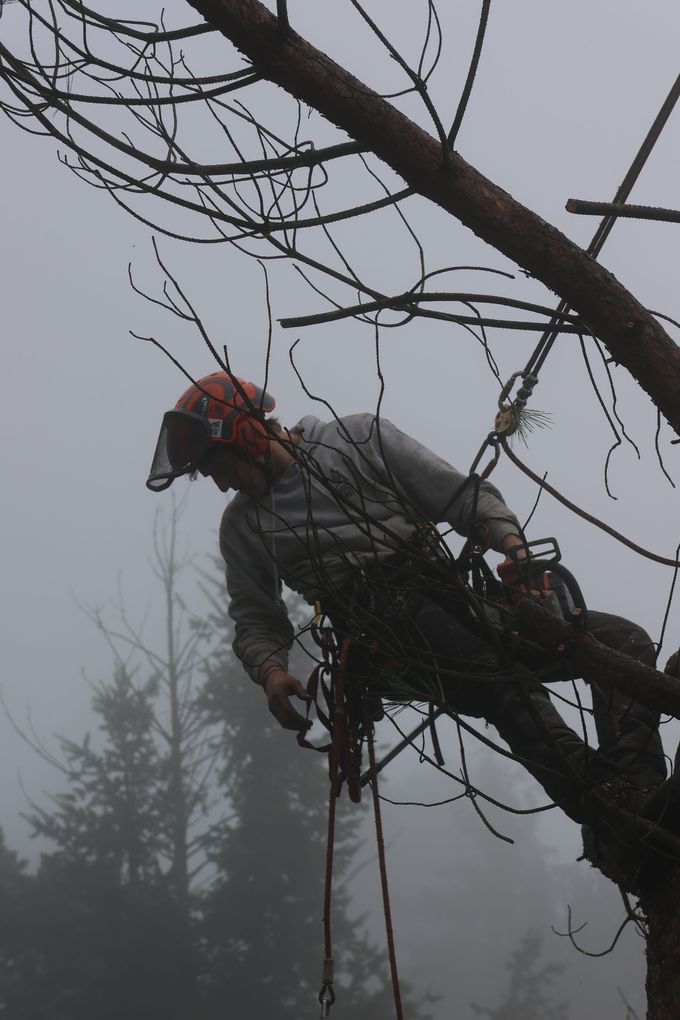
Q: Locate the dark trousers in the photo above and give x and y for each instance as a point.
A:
(413, 645)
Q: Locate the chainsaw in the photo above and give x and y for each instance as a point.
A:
(534, 569)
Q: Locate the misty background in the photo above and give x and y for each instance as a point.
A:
(562, 101)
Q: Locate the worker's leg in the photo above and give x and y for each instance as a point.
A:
(565, 766)
(519, 708)
(627, 731)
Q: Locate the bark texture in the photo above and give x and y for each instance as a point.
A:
(662, 908)
(632, 335)
(594, 661)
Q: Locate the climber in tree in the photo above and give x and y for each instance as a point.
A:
(344, 512)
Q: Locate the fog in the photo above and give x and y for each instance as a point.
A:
(563, 98)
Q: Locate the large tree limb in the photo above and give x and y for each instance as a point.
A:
(632, 335)
(595, 661)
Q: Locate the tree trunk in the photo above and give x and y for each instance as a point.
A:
(619, 847)
(661, 904)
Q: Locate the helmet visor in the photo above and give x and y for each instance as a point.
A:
(184, 439)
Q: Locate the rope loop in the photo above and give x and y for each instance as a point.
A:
(327, 996)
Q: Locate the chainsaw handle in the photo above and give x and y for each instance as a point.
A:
(534, 574)
(546, 550)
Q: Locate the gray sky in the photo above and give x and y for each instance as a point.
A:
(564, 96)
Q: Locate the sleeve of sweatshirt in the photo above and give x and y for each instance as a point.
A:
(434, 489)
(263, 631)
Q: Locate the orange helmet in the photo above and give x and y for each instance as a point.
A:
(217, 409)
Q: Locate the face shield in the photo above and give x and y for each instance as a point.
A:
(184, 439)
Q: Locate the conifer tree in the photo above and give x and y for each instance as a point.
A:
(185, 870)
(111, 935)
(528, 996)
(128, 836)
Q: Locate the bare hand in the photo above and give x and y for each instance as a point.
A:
(279, 687)
(515, 543)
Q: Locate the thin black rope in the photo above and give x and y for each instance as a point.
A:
(472, 72)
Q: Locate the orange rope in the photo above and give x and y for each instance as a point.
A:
(383, 867)
(341, 739)
(327, 994)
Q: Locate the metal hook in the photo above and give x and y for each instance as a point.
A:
(491, 440)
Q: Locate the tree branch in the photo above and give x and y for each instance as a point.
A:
(596, 661)
(635, 212)
(631, 334)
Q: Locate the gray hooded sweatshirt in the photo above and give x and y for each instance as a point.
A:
(357, 490)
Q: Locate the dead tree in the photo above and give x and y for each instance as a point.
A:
(157, 118)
